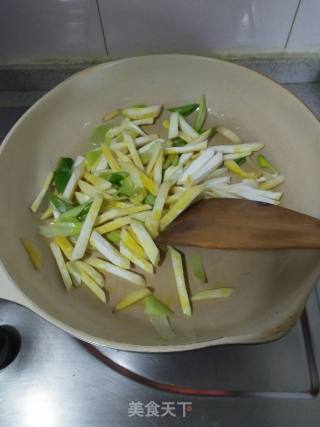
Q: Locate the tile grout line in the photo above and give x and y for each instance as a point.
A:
(102, 28)
(292, 24)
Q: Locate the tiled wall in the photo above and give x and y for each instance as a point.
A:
(44, 29)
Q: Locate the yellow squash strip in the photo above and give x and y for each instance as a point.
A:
(131, 243)
(153, 160)
(37, 202)
(136, 259)
(56, 252)
(236, 169)
(107, 267)
(81, 197)
(84, 236)
(47, 213)
(132, 298)
(112, 162)
(212, 294)
(113, 225)
(122, 156)
(146, 241)
(157, 171)
(112, 115)
(229, 134)
(90, 271)
(92, 191)
(272, 183)
(146, 182)
(33, 252)
(180, 280)
(138, 113)
(108, 251)
(158, 208)
(186, 198)
(100, 183)
(93, 287)
(64, 245)
(118, 212)
(74, 273)
(133, 151)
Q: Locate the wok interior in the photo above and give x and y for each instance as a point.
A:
(270, 286)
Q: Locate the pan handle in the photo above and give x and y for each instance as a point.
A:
(10, 291)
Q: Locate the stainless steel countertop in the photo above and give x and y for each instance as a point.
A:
(57, 381)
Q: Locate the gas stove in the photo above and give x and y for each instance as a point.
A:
(50, 379)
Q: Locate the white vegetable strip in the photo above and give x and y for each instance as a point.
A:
(177, 265)
(210, 166)
(128, 125)
(77, 172)
(108, 251)
(56, 252)
(235, 156)
(118, 212)
(136, 259)
(184, 158)
(144, 121)
(37, 202)
(204, 136)
(228, 149)
(186, 198)
(276, 195)
(172, 174)
(83, 239)
(74, 273)
(173, 125)
(146, 242)
(133, 150)
(142, 140)
(196, 164)
(187, 148)
(187, 129)
(211, 184)
(212, 294)
(107, 267)
(218, 172)
(227, 133)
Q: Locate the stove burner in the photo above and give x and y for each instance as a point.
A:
(169, 371)
(10, 343)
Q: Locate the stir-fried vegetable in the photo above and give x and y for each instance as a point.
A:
(176, 260)
(37, 202)
(198, 268)
(33, 252)
(212, 294)
(132, 298)
(107, 207)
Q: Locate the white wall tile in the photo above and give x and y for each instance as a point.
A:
(46, 28)
(305, 34)
(204, 26)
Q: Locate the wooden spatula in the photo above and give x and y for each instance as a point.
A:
(242, 224)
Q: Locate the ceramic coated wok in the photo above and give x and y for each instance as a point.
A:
(271, 287)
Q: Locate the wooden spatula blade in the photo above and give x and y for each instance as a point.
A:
(242, 224)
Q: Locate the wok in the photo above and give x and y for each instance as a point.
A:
(270, 287)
